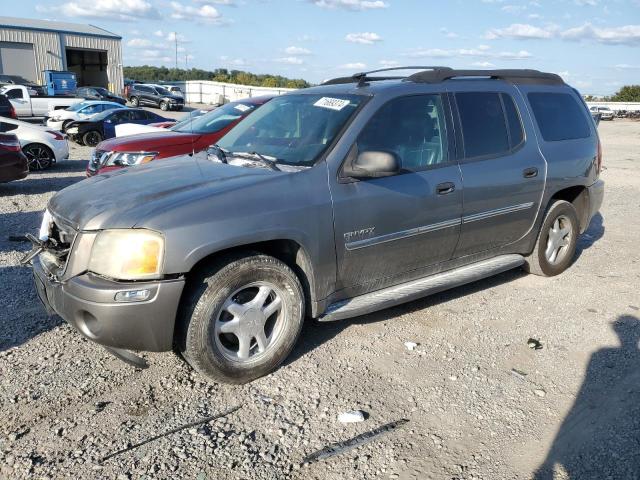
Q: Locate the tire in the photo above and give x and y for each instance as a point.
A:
(164, 106)
(40, 156)
(65, 124)
(134, 101)
(209, 336)
(92, 138)
(561, 215)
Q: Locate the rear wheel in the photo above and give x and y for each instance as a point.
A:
(40, 156)
(92, 138)
(134, 101)
(241, 318)
(556, 243)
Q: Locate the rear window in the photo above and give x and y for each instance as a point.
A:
(484, 129)
(559, 116)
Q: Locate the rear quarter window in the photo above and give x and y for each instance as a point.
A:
(559, 116)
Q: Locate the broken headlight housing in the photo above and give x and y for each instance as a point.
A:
(127, 254)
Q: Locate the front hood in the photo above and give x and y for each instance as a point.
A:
(124, 198)
(147, 141)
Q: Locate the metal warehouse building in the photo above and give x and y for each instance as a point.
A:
(28, 47)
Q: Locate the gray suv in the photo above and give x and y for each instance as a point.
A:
(328, 203)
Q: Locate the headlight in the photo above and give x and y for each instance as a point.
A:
(127, 159)
(133, 254)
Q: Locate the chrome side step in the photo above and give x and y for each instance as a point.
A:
(405, 292)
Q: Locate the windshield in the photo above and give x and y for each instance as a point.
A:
(102, 91)
(215, 120)
(77, 106)
(295, 128)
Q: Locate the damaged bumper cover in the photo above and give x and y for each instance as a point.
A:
(88, 303)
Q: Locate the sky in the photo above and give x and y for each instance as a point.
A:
(593, 44)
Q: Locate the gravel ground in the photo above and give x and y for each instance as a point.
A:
(480, 403)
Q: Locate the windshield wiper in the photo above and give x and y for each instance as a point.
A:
(272, 164)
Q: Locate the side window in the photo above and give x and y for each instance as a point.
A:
(516, 133)
(484, 130)
(413, 128)
(13, 94)
(7, 127)
(559, 116)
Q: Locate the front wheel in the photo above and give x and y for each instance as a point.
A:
(241, 318)
(556, 243)
(92, 138)
(164, 106)
(40, 156)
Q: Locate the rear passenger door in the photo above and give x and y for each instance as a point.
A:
(503, 171)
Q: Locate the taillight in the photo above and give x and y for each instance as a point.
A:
(55, 134)
(12, 112)
(599, 158)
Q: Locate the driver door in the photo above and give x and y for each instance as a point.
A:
(392, 228)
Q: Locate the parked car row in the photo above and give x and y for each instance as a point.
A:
(42, 146)
(192, 135)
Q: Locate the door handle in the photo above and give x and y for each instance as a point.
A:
(445, 188)
(530, 172)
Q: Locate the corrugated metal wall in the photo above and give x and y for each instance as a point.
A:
(46, 48)
(114, 55)
(48, 54)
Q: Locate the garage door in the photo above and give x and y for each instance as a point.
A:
(18, 59)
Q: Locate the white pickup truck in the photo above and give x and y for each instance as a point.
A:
(28, 105)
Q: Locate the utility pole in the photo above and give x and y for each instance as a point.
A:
(175, 36)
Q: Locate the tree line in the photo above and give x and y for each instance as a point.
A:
(628, 93)
(148, 73)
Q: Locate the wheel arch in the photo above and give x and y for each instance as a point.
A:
(289, 251)
(578, 196)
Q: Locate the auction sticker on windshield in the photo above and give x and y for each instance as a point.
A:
(332, 103)
(242, 107)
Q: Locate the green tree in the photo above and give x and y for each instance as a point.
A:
(147, 73)
(628, 93)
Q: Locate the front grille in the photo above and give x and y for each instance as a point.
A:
(96, 160)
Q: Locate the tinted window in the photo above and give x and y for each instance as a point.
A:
(559, 116)
(138, 114)
(516, 134)
(91, 109)
(15, 93)
(411, 127)
(483, 124)
(7, 127)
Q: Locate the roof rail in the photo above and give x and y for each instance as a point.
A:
(362, 77)
(440, 74)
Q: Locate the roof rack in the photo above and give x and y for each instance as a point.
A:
(441, 74)
(437, 74)
(362, 78)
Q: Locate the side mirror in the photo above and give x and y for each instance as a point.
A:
(373, 164)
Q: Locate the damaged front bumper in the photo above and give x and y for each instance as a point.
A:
(88, 303)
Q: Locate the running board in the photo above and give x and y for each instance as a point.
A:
(405, 292)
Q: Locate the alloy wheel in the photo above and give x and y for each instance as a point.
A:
(558, 240)
(40, 157)
(249, 322)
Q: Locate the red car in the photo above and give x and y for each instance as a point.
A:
(189, 136)
(13, 164)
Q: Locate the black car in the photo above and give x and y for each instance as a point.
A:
(6, 108)
(154, 96)
(92, 131)
(99, 93)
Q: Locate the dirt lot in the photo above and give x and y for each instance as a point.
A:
(480, 403)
